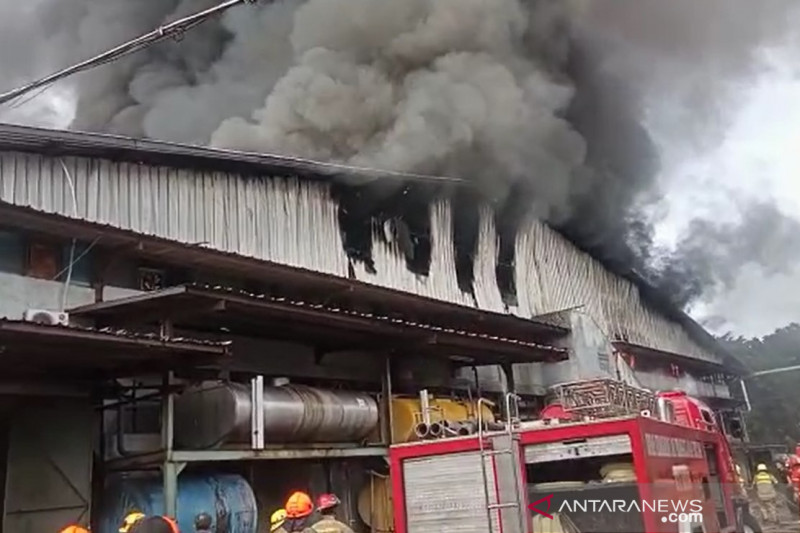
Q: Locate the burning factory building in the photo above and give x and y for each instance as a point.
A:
(303, 273)
(255, 247)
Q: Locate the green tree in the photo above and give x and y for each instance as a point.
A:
(775, 399)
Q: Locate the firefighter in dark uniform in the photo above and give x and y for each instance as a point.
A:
(327, 505)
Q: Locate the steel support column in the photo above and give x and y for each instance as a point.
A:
(387, 425)
(508, 370)
(386, 403)
(169, 469)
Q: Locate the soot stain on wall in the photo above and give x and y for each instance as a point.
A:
(400, 214)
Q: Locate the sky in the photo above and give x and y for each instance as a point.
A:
(757, 155)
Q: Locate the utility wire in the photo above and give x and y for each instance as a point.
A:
(173, 29)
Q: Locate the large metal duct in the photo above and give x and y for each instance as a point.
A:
(214, 413)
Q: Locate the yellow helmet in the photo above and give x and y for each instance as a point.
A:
(761, 468)
(277, 519)
(129, 520)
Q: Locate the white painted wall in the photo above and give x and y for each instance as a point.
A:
(18, 293)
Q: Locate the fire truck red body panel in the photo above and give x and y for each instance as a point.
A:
(671, 462)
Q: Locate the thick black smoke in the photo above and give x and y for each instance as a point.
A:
(543, 103)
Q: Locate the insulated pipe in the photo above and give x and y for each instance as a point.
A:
(465, 430)
(216, 413)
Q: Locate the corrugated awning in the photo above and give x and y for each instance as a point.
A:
(300, 283)
(212, 308)
(661, 357)
(28, 348)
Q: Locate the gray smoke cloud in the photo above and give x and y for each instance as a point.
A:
(432, 86)
(571, 97)
(710, 255)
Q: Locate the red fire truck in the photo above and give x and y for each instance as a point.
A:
(486, 482)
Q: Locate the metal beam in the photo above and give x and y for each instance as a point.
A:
(276, 453)
(169, 470)
(774, 371)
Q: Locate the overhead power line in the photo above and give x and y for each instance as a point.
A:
(173, 29)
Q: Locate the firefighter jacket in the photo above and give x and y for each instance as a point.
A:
(765, 485)
(329, 524)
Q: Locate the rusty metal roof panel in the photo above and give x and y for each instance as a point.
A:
(108, 333)
(227, 305)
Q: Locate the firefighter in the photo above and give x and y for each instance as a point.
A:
(327, 505)
(765, 485)
(74, 529)
(276, 521)
(202, 523)
(298, 513)
(130, 520)
(156, 524)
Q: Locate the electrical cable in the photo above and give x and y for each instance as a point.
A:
(74, 240)
(77, 259)
(175, 28)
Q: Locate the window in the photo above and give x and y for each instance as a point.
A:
(81, 264)
(12, 252)
(43, 261)
(603, 361)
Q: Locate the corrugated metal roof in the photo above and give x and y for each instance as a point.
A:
(118, 148)
(8, 324)
(227, 306)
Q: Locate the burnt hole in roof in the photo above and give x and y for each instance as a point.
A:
(398, 215)
(466, 228)
(508, 217)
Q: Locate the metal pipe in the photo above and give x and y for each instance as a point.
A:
(746, 396)
(425, 406)
(221, 412)
(465, 430)
(436, 429)
(388, 377)
(422, 430)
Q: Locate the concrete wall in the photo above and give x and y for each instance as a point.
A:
(18, 293)
(589, 357)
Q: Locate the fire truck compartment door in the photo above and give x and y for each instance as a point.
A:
(446, 493)
(591, 447)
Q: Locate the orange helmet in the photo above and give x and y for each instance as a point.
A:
(299, 505)
(172, 524)
(74, 529)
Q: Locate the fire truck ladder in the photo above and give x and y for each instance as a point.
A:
(511, 452)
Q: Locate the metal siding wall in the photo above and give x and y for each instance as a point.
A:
(554, 275)
(487, 292)
(285, 220)
(441, 282)
(295, 223)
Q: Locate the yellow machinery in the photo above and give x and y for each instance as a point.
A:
(406, 414)
(375, 504)
(375, 498)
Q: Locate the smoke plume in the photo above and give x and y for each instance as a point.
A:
(573, 99)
